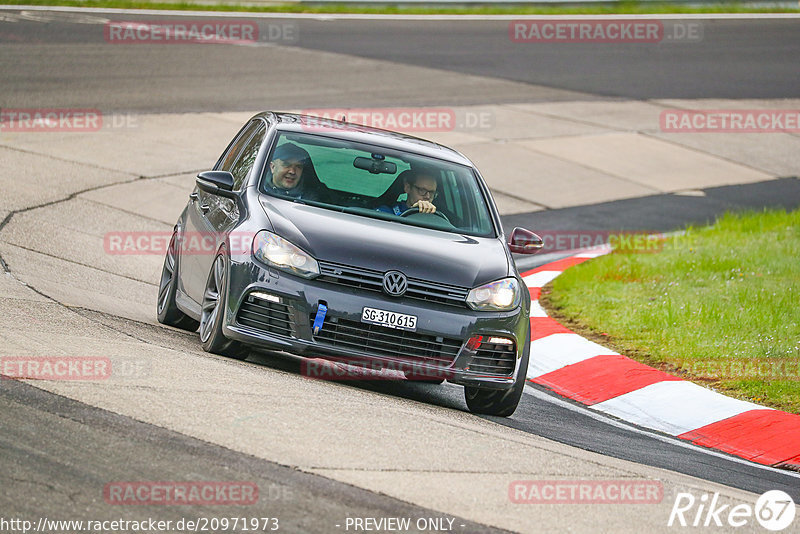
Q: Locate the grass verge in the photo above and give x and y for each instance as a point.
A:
(719, 305)
(618, 8)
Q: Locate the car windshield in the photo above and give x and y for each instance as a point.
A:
(377, 182)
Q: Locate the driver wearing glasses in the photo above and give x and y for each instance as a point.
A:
(420, 188)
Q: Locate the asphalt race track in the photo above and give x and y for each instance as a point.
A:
(733, 59)
(322, 452)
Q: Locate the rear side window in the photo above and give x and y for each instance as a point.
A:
(241, 167)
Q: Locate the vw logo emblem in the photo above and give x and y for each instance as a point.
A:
(395, 283)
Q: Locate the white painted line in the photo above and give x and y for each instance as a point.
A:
(552, 399)
(555, 351)
(664, 16)
(674, 407)
(600, 251)
(541, 278)
(537, 310)
(366, 16)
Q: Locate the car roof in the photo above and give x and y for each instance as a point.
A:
(293, 122)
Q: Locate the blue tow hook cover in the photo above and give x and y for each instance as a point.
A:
(320, 317)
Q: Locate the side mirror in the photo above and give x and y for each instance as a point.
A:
(522, 241)
(216, 183)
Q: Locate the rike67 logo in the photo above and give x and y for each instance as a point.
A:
(774, 511)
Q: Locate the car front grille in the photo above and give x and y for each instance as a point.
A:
(388, 342)
(370, 280)
(494, 359)
(265, 315)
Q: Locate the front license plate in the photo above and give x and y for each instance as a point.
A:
(400, 321)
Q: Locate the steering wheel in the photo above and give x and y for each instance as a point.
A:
(412, 211)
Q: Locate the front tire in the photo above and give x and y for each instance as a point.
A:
(500, 402)
(212, 313)
(166, 309)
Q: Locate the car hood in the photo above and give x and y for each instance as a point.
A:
(359, 241)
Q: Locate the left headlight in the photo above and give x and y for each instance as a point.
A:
(274, 250)
(501, 295)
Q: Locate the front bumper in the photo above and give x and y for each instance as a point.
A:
(275, 310)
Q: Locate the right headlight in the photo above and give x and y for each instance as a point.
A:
(500, 295)
(274, 250)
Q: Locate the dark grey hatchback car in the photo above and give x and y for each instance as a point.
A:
(362, 246)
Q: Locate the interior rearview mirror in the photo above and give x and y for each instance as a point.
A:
(375, 166)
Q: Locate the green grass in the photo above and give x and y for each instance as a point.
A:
(610, 8)
(719, 305)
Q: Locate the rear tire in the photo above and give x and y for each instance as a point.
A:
(212, 313)
(500, 402)
(167, 311)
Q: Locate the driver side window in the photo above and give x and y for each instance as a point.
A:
(228, 159)
(241, 167)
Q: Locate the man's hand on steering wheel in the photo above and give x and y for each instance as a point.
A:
(424, 206)
(415, 209)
